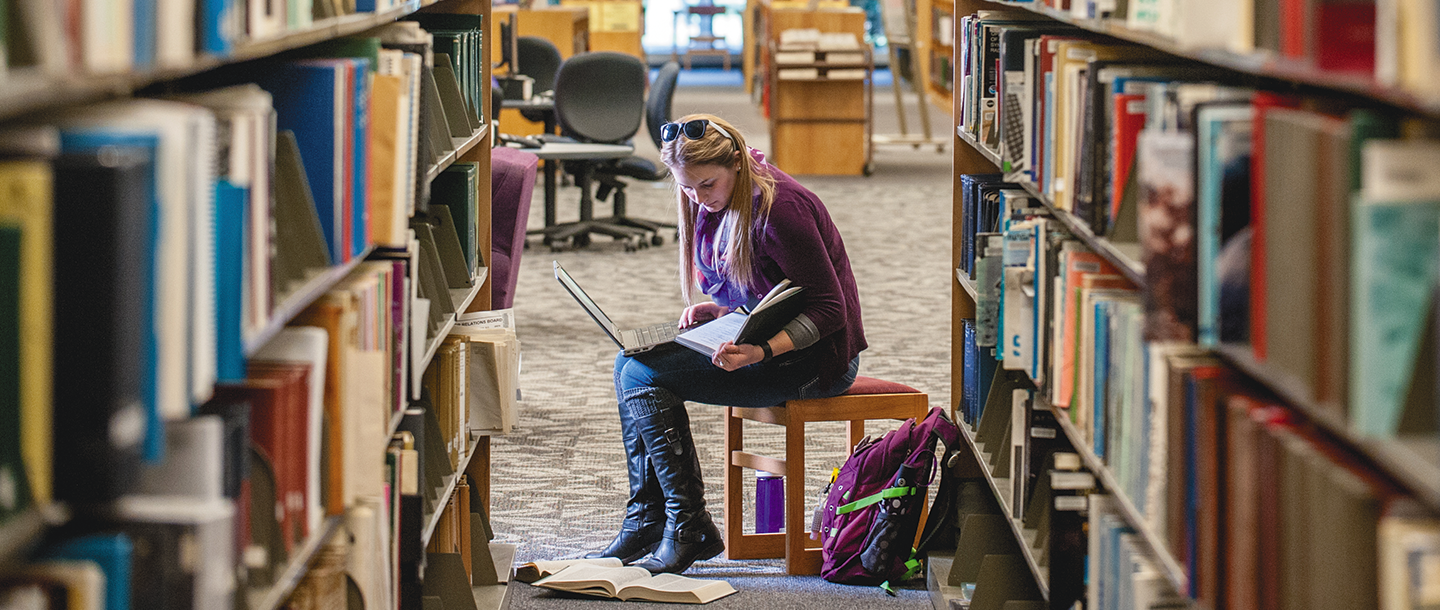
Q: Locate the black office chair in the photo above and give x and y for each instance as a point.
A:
(539, 60)
(599, 99)
(657, 113)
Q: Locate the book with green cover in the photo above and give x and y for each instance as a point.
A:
(455, 188)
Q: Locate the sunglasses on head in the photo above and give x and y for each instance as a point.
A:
(691, 129)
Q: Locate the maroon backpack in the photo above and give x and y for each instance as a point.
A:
(872, 507)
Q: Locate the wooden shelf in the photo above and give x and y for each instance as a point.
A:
(1024, 537)
(1258, 64)
(300, 299)
(968, 284)
(989, 155)
(1132, 269)
(1165, 560)
(450, 482)
(1414, 462)
(461, 146)
(30, 90)
(272, 597)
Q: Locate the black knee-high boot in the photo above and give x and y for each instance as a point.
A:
(690, 535)
(644, 521)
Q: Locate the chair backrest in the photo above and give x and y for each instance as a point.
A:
(600, 96)
(540, 60)
(662, 93)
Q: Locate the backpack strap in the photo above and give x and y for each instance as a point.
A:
(949, 434)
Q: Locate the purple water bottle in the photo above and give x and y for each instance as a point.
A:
(769, 502)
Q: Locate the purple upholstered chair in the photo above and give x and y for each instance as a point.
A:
(512, 181)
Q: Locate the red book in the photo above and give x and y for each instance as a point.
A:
(1128, 121)
(1295, 28)
(1346, 37)
(267, 432)
(1263, 101)
(292, 414)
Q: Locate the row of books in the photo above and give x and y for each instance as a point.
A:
(95, 38)
(1116, 364)
(1260, 219)
(1392, 42)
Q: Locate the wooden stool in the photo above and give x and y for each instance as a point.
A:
(868, 398)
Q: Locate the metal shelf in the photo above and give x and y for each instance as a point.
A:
(272, 597)
(1258, 64)
(1167, 564)
(1023, 537)
(968, 284)
(450, 482)
(1414, 462)
(461, 146)
(497, 596)
(461, 298)
(298, 300)
(30, 90)
(1132, 270)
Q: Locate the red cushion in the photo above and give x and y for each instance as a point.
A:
(871, 385)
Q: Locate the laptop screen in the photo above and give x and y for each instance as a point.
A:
(585, 301)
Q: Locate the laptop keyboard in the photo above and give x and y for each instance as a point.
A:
(658, 333)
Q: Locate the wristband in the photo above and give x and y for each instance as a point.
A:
(765, 347)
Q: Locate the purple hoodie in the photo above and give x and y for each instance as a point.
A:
(798, 241)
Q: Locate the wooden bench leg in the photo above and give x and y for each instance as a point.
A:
(799, 557)
(738, 544)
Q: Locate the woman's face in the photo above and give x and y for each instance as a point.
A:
(708, 185)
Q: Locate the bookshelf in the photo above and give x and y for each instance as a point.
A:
(271, 598)
(450, 482)
(30, 95)
(29, 90)
(1000, 486)
(1257, 64)
(1245, 390)
(301, 298)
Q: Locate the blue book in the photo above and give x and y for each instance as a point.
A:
(359, 160)
(1192, 482)
(1396, 255)
(1223, 160)
(231, 205)
(145, 34)
(112, 552)
(310, 100)
(217, 18)
(969, 371)
(988, 363)
(92, 140)
(1102, 375)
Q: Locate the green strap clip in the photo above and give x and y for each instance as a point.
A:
(889, 492)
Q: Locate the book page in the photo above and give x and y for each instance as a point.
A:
(717, 331)
(586, 578)
(676, 589)
(535, 570)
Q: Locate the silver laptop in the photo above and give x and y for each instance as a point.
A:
(633, 341)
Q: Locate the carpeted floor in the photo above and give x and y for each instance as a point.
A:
(559, 478)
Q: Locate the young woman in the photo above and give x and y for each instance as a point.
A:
(744, 226)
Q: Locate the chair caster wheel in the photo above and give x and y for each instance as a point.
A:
(657, 240)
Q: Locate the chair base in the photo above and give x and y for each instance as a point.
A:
(802, 555)
(578, 234)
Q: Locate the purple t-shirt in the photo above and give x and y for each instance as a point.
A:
(798, 241)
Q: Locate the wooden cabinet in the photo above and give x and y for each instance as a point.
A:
(568, 27)
(615, 25)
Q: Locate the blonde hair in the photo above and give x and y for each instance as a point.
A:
(740, 214)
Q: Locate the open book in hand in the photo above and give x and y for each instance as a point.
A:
(631, 583)
(771, 314)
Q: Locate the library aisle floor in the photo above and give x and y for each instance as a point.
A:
(559, 480)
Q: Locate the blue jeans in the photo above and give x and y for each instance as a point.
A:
(689, 376)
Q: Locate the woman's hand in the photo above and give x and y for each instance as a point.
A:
(732, 357)
(702, 312)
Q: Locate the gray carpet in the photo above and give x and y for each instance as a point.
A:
(559, 478)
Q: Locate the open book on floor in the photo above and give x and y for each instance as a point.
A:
(631, 583)
(771, 314)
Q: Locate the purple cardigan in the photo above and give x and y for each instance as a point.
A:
(799, 241)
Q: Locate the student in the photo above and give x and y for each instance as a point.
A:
(744, 226)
